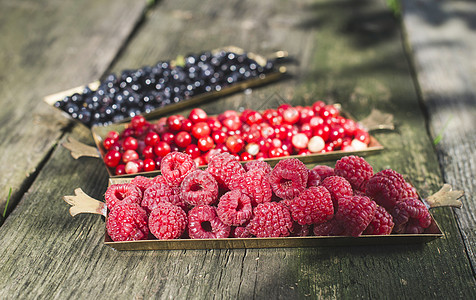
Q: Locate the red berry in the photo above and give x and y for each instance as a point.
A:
(112, 158)
(167, 221)
(329, 111)
(113, 135)
(203, 223)
(175, 166)
(214, 124)
(186, 125)
(205, 143)
(130, 143)
(300, 141)
(138, 122)
(108, 143)
(127, 222)
(175, 122)
(291, 115)
(313, 206)
(120, 170)
(148, 152)
(200, 130)
(193, 151)
(219, 136)
(323, 131)
(270, 213)
(288, 178)
(161, 149)
(234, 143)
(232, 123)
(129, 155)
(183, 139)
(151, 138)
(197, 115)
(306, 114)
(124, 192)
(132, 167)
(234, 208)
(168, 137)
(149, 165)
(355, 169)
(199, 188)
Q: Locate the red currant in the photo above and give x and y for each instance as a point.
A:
(168, 137)
(138, 122)
(183, 139)
(113, 135)
(161, 149)
(329, 111)
(214, 124)
(120, 170)
(219, 136)
(108, 142)
(149, 165)
(300, 141)
(186, 125)
(200, 130)
(205, 143)
(193, 151)
(151, 138)
(291, 115)
(129, 155)
(148, 152)
(234, 143)
(175, 122)
(132, 167)
(245, 156)
(130, 143)
(197, 115)
(232, 123)
(112, 158)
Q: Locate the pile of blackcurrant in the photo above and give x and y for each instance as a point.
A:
(143, 90)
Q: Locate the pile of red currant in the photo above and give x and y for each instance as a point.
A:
(281, 132)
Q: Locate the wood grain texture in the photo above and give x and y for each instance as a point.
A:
(48, 46)
(442, 39)
(349, 52)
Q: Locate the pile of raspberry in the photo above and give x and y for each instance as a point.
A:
(249, 135)
(233, 200)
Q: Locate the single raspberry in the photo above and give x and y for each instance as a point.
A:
(122, 192)
(255, 184)
(175, 166)
(338, 187)
(157, 193)
(323, 171)
(386, 188)
(142, 182)
(313, 206)
(381, 224)
(234, 208)
(258, 164)
(271, 219)
(167, 221)
(288, 178)
(203, 223)
(355, 214)
(199, 188)
(226, 169)
(127, 221)
(313, 179)
(159, 179)
(409, 191)
(329, 228)
(355, 169)
(300, 230)
(410, 216)
(240, 232)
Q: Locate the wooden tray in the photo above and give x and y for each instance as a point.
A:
(82, 203)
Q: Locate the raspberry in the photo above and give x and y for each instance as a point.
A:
(410, 216)
(385, 188)
(300, 230)
(288, 178)
(271, 219)
(255, 184)
(323, 171)
(203, 223)
(258, 164)
(355, 214)
(240, 232)
(313, 179)
(329, 228)
(127, 221)
(381, 224)
(160, 193)
(225, 168)
(142, 182)
(234, 208)
(122, 192)
(313, 206)
(159, 179)
(175, 166)
(199, 188)
(355, 169)
(167, 221)
(409, 191)
(337, 187)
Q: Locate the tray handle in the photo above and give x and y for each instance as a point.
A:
(82, 203)
(378, 120)
(445, 197)
(79, 149)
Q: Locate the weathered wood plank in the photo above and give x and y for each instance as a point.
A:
(349, 52)
(442, 39)
(49, 46)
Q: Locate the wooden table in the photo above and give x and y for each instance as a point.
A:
(352, 52)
